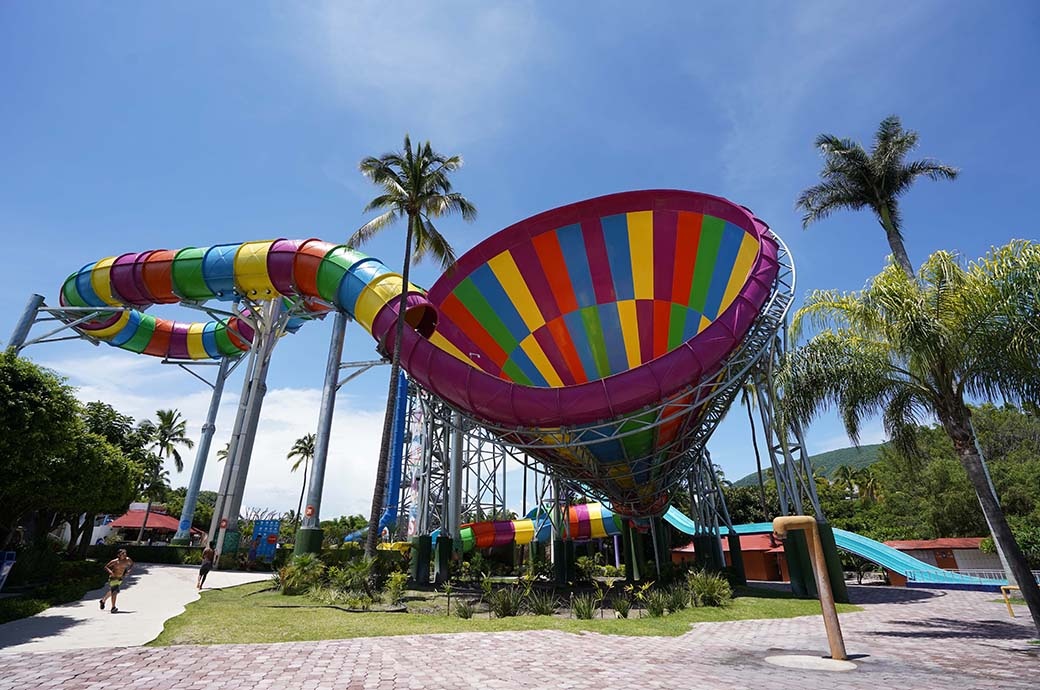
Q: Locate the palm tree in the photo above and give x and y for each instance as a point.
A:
(868, 484)
(303, 451)
(845, 477)
(854, 179)
(910, 348)
(223, 452)
(170, 431)
(416, 188)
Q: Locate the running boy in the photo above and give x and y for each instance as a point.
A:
(117, 569)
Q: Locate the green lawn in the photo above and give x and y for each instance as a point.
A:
(248, 614)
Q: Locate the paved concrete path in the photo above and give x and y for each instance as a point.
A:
(151, 596)
(905, 639)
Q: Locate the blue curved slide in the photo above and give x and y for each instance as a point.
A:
(917, 573)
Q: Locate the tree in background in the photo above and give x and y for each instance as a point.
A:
(416, 187)
(166, 435)
(38, 416)
(854, 179)
(845, 477)
(905, 348)
(303, 451)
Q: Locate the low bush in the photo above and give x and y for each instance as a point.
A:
(657, 603)
(357, 575)
(506, 602)
(395, 587)
(464, 609)
(541, 603)
(678, 598)
(16, 607)
(33, 564)
(709, 589)
(621, 605)
(302, 573)
(584, 606)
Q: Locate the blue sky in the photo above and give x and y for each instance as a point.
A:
(130, 126)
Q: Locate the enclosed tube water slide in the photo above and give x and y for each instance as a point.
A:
(596, 336)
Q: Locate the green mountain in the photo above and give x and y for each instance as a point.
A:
(829, 462)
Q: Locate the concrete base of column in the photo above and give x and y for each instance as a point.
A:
(308, 540)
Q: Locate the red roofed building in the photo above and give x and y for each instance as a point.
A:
(160, 525)
(951, 553)
(763, 557)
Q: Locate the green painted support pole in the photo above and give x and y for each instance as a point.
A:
(834, 567)
(799, 567)
(442, 564)
(736, 558)
(631, 570)
(420, 565)
(308, 540)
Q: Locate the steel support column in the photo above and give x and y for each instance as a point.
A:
(309, 536)
(183, 535)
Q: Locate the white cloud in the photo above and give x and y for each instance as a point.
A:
(138, 386)
(450, 68)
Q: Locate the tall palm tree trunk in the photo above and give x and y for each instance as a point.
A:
(957, 422)
(147, 512)
(896, 242)
(379, 493)
(758, 459)
(303, 489)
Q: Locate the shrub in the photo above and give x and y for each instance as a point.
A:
(709, 589)
(395, 585)
(541, 603)
(191, 557)
(610, 571)
(486, 587)
(506, 602)
(15, 608)
(587, 568)
(678, 598)
(33, 564)
(357, 575)
(657, 603)
(358, 600)
(464, 609)
(621, 605)
(302, 573)
(330, 596)
(584, 606)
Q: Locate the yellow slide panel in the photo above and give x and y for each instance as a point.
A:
(251, 277)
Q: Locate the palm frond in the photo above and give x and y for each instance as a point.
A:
(366, 232)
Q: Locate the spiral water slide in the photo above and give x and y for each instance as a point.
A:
(600, 337)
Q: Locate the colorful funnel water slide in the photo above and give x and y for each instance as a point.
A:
(917, 573)
(583, 333)
(585, 521)
(593, 334)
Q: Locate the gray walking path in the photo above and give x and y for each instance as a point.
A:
(904, 639)
(151, 595)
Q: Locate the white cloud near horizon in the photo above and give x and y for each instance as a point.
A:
(138, 386)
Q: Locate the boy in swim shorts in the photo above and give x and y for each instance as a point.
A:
(117, 569)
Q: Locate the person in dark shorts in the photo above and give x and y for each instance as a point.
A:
(117, 568)
(208, 554)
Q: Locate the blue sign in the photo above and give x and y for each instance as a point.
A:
(265, 540)
(185, 525)
(5, 566)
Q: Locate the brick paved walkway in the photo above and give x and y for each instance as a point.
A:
(905, 639)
